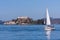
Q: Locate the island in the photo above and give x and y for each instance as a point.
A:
(24, 20)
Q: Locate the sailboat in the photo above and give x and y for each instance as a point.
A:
(48, 22)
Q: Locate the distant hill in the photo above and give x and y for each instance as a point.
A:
(55, 21)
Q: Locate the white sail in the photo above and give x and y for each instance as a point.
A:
(47, 18)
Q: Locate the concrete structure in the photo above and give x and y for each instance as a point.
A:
(23, 20)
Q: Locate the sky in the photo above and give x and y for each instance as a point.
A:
(36, 9)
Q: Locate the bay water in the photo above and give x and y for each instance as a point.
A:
(28, 32)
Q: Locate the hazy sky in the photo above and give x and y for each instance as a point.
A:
(11, 9)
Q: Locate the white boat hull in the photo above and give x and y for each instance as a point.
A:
(48, 27)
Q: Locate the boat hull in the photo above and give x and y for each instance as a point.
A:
(49, 27)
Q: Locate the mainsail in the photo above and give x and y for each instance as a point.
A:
(47, 18)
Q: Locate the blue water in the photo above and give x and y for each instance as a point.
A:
(27, 32)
